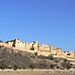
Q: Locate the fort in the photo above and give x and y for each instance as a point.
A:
(38, 48)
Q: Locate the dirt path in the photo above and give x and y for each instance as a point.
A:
(35, 73)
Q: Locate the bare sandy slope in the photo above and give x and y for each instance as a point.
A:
(35, 73)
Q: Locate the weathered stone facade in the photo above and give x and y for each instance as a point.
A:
(35, 47)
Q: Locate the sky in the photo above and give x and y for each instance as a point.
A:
(46, 21)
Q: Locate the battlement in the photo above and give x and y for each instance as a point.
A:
(36, 47)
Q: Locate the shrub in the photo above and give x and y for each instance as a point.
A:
(51, 57)
(52, 66)
(56, 60)
(32, 66)
(15, 67)
(3, 65)
(42, 57)
(66, 64)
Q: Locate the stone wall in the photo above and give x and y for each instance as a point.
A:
(41, 49)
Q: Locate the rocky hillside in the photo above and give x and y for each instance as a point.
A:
(14, 59)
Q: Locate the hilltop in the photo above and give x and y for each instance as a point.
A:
(39, 49)
(17, 59)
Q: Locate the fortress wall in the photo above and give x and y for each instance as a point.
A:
(10, 44)
(3, 44)
(56, 51)
(66, 55)
(72, 55)
(36, 46)
(28, 45)
(44, 48)
(44, 53)
(40, 49)
(20, 45)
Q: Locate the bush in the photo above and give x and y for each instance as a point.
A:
(15, 67)
(42, 57)
(52, 66)
(43, 64)
(66, 64)
(32, 66)
(3, 65)
(56, 60)
(51, 57)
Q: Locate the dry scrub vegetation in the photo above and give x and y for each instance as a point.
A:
(16, 59)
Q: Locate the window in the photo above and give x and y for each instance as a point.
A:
(32, 48)
(68, 54)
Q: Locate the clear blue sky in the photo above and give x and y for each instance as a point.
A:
(46, 21)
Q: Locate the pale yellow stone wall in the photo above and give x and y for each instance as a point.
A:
(39, 48)
(72, 55)
(9, 44)
(44, 53)
(36, 46)
(45, 48)
(20, 45)
(65, 55)
(28, 45)
(3, 44)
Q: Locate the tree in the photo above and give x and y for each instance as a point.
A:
(1, 41)
(15, 67)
